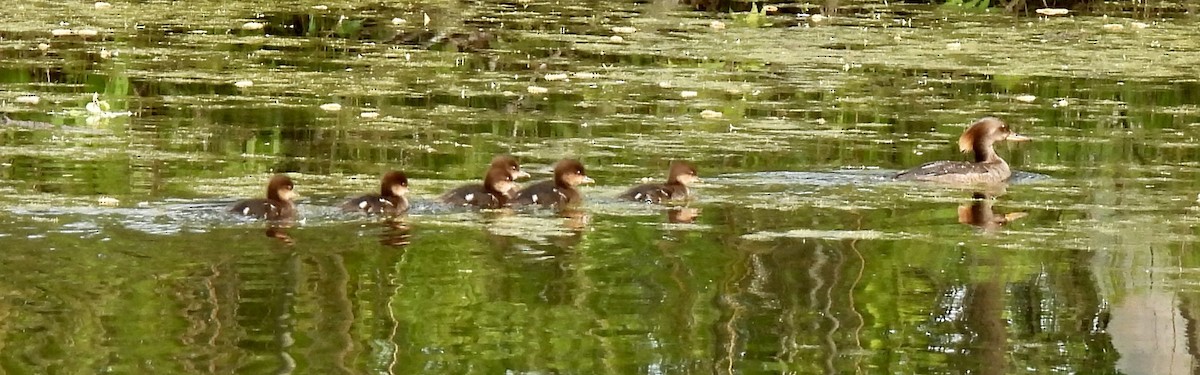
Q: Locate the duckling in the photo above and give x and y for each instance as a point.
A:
(496, 191)
(679, 175)
(391, 200)
(559, 191)
(278, 204)
(503, 164)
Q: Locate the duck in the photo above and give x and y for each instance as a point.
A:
(505, 164)
(495, 192)
(978, 139)
(279, 203)
(680, 174)
(391, 199)
(559, 191)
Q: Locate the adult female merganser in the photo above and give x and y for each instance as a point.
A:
(559, 191)
(679, 176)
(278, 204)
(987, 168)
(391, 199)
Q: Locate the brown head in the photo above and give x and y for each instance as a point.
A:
(281, 188)
(980, 136)
(394, 184)
(499, 181)
(682, 172)
(570, 172)
(509, 164)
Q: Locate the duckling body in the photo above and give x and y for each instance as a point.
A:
(277, 205)
(497, 189)
(987, 168)
(679, 176)
(559, 191)
(391, 200)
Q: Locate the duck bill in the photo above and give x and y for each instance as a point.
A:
(1014, 137)
(520, 175)
(587, 180)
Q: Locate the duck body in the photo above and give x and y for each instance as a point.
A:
(277, 205)
(477, 196)
(264, 209)
(655, 193)
(391, 199)
(548, 193)
(496, 190)
(958, 172)
(987, 168)
(679, 175)
(559, 191)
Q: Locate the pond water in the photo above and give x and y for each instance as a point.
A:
(798, 256)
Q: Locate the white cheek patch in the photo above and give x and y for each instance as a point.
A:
(470, 197)
(246, 211)
(638, 196)
(362, 205)
(535, 198)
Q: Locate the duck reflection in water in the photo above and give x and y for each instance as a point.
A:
(576, 219)
(396, 233)
(682, 215)
(279, 231)
(538, 268)
(979, 213)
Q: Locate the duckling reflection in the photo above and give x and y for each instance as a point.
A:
(576, 219)
(396, 233)
(534, 271)
(682, 215)
(279, 231)
(979, 213)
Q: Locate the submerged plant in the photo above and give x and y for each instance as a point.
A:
(756, 17)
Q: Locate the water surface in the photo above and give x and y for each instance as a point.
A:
(799, 255)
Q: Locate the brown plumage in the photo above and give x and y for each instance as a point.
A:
(390, 200)
(987, 167)
(559, 191)
(278, 204)
(501, 165)
(495, 192)
(679, 176)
